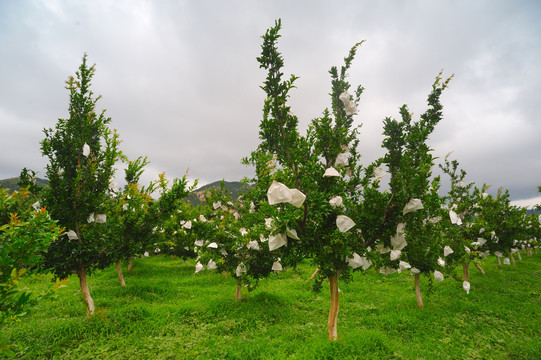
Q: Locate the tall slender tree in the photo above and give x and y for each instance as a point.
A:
(82, 152)
(310, 181)
(412, 217)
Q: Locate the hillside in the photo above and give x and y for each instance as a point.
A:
(11, 183)
(197, 196)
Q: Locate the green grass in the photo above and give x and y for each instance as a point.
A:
(168, 312)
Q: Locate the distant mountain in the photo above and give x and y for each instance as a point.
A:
(198, 196)
(11, 183)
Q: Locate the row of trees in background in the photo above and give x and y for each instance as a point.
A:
(310, 198)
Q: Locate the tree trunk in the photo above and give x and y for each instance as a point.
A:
(89, 303)
(479, 268)
(418, 291)
(513, 259)
(238, 293)
(466, 271)
(499, 262)
(519, 256)
(314, 274)
(535, 250)
(119, 272)
(130, 264)
(332, 323)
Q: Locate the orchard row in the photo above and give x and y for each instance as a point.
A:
(309, 198)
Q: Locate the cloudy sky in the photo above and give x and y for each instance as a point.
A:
(181, 82)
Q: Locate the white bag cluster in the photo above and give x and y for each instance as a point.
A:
(279, 193)
(276, 194)
(455, 219)
(395, 254)
(292, 233)
(276, 266)
(331, 172)
(253, 245)
(344, 223)
(358, 261)
(447, 250)
(438, 276)
(349, 105)
(336, 201)
(341, 159)
(398, 241)
(211, 264)
(466, 286)
(277, 241)
(402, 265)
(86, 150)
(241, 269)
(412, 205)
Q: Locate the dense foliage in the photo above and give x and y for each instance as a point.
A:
(26, 230)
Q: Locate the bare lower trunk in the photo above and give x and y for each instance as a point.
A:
(418, 291)
(535, 250)
(479, 268)
(89, 303)
(119, 272)
(528, 251)
(519, 256)
(314, 274)
(499, 262)
(513, 259)
(332, 323)
(130, 264)
(465, 266)
(238, 293)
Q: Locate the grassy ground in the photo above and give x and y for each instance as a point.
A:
(168, 312)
